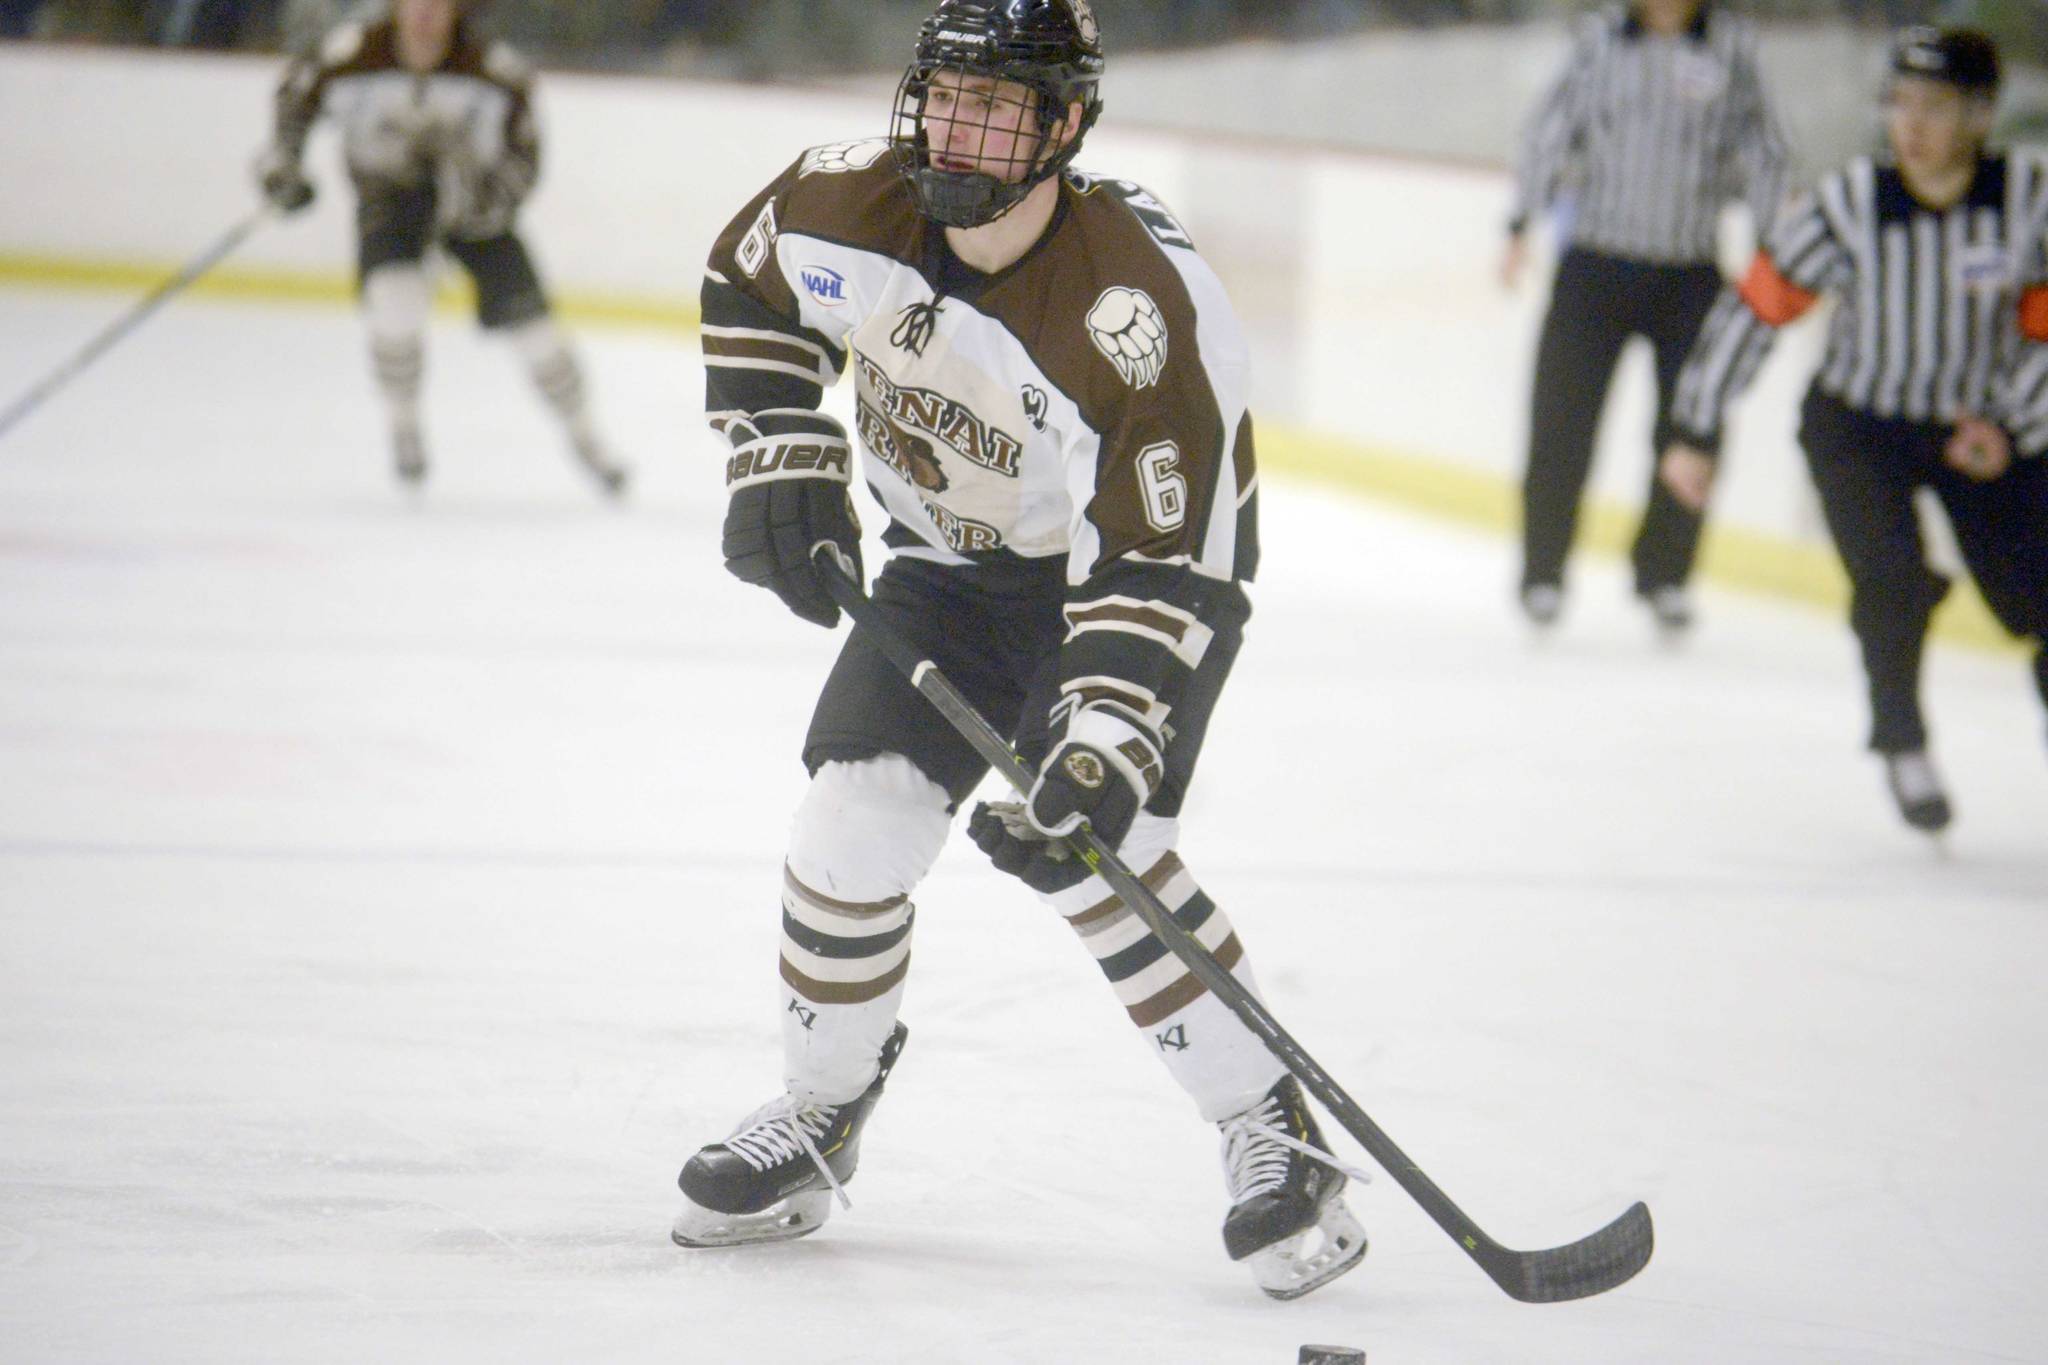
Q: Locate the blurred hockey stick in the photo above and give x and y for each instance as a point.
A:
(1591, 1265)
(120, 327)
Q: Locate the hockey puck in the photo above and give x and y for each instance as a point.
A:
(1330, 1355)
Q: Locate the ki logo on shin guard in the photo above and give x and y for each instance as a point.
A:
(1174, 1039)
(804, 1016)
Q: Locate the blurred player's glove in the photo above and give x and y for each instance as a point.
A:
(475, 204)
(282, 180)
(1102, 772)
(788, 478)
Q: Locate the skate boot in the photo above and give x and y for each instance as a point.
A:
(776, 1176)
(409, 455)
(1542, 604)
(1917, 788)
(1671, 608)
(1287, 1216)
(591, 454)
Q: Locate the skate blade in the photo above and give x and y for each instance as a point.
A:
(1311, 1258)
(612, 479)
(787, 1219)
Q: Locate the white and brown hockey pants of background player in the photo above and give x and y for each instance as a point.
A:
(395, 228)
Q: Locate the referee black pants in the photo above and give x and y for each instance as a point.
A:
(1867, 470)
(1596, 304)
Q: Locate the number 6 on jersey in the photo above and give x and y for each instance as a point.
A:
(1166, 492)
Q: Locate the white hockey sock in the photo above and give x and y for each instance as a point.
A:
(1218, 1061)
(864, 837)
(396, 301)
(555, 371)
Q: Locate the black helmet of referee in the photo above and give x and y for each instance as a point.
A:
(1960, 57)
(1050, 47)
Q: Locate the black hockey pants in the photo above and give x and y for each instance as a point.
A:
(1867, 469)
(1596, 304)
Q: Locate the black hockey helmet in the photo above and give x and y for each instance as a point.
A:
(1961, 57)
(1051, 47)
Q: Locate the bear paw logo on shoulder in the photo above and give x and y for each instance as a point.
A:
(1129, 330)
(841, 157)
(824, 284)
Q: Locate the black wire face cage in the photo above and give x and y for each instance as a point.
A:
(972, 142)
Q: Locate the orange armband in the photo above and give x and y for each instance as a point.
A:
(2034, 313)
(1770, 295)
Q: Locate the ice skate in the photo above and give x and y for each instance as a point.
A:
(1917, 789)
(1287, 1219)
(1542, 604)
(591, 454)
(776, 1176)
(1671, 608)
(409, 455)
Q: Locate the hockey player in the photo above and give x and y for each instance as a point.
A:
(439, 135)
(1659, 117)
(1934, 377)
(1050, 388)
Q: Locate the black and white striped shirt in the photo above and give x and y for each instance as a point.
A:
(1645, 136)
(1941, 312)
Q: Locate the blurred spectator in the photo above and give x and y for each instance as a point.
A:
(215, 23)
(18, 17)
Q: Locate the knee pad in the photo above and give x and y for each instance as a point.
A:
(397, 300)
(868, 830)
(539, 342)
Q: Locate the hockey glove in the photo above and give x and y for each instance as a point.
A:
(788, 481)
(1101, 773)
(283, 182)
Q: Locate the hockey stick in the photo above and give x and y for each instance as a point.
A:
(1591, 1265)
(133, 318)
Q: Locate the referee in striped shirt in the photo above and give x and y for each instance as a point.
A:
(1658, 120)
(1935, 375)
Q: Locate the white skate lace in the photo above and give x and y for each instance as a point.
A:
(1255, 1152)
(780, 1129)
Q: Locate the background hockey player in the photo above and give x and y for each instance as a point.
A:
(439, 135)
(1656, 123)
(1050, 391)
(1934, 377)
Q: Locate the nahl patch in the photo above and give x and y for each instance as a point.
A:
(1129, 330)
(789, 460)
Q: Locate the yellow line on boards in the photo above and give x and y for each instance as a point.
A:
(1729, 556)
(287, 286)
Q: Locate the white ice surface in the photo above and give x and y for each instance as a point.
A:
(388, 905)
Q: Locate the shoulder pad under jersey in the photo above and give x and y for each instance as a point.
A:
(341, 44)
(503, 63)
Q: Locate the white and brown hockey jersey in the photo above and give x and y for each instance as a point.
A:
(470, 118)
(1088, 403)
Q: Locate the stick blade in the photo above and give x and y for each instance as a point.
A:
(1591, 1265)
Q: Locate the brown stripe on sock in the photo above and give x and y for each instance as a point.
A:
(844, 992)
(1184, 991)
(824, 902)
(1162, 872)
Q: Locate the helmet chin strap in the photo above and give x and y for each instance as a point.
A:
(961, 199)
(970, 199)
